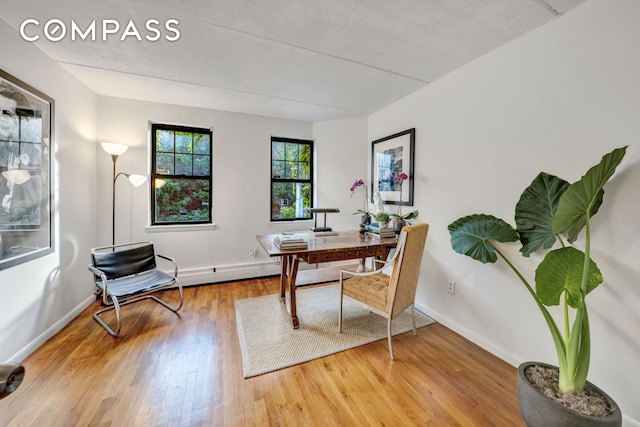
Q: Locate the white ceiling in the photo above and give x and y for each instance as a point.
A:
(309, 60)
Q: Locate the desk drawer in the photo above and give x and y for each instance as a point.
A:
(314, 258)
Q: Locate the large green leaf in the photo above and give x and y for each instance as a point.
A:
(584, 197)
(534, 211)
(561, 271)
(470, 236)
(410, 215)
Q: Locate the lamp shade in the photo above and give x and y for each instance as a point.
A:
(18, 176)
(114, 148)
(137, 180)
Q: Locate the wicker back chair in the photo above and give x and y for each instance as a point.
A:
(387, 295)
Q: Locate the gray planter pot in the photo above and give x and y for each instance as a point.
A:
(398, 223)
(540, 411)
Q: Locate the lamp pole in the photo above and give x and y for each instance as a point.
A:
(113, 201)
(137, 180)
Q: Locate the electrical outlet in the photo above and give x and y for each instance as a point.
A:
(451, 287)
(253, 252)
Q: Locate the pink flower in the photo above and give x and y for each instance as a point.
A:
(355, 185)
(399, 177)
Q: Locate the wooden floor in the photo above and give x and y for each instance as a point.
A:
(186, 370)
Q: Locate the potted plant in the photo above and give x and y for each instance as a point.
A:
(383, 219)
(549, 209)
(365, 214)
(400, 220)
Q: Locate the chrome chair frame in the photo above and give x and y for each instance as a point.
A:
(129, 275)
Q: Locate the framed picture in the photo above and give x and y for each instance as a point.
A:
(26, 188)
(390, 155)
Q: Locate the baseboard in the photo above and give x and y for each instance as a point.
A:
(499, 352)
(210, 275)
(52, 330)
(226, 273)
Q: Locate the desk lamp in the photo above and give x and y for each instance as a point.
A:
(316, 211)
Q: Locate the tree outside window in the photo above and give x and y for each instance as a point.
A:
(291, 178)
(181, 175)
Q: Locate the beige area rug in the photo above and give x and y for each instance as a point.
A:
(269, 342)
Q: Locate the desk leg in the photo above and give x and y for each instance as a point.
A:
(283, 276)
(288, 281)
(293, 272)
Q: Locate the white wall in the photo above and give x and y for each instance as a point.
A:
(556, 100)
(241, 170)
(41, 296)
(342, 143)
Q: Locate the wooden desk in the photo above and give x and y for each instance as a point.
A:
(346, 245)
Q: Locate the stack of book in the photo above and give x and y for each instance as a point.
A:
(380, 232)
(290, 241)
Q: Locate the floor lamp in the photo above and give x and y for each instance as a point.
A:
(137, 180)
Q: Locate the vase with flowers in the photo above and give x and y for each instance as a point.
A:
(365, 214)
(400, 220)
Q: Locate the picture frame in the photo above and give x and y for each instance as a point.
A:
(390, 155)
(26, 178)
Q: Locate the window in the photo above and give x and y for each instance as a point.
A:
(291, 178)
(180, 175)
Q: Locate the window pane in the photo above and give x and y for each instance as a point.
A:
(277, 151)
(24, 206)
(183, 142)
(9, 127)
(182, 200)
(201, 165)
(9, 150)
(164, 164)
(277, 169)
(291, 171)
(292, 151)
(303, 171)
(32, 154)
(201, 144)
(164, 140)
(305, 153)
(184, 164)
(30, 129)
(289, 200)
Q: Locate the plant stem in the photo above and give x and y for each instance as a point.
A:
(566, 318)
(561, 347)
(520, 276)
(365, 202)
(587, 256)
(578, 348)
